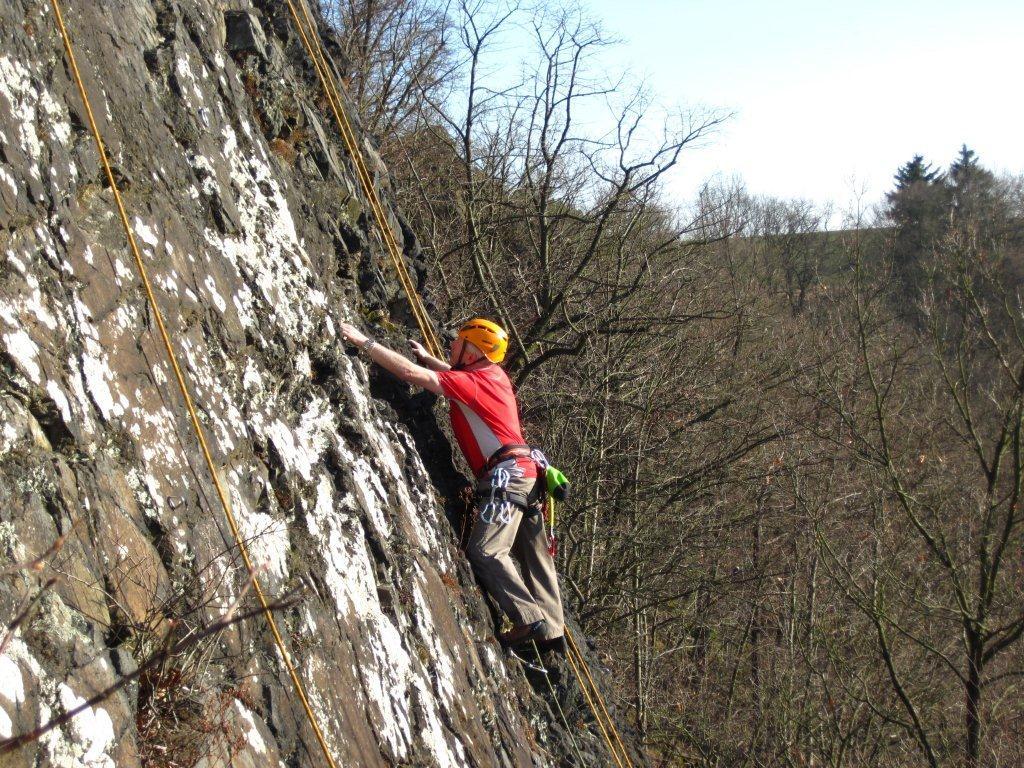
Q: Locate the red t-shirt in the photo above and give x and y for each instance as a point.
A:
(484, 415)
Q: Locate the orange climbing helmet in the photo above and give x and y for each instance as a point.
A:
(490, 338)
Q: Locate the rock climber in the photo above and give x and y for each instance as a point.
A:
(509, 481)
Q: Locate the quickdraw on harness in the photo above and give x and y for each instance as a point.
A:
(499, 501)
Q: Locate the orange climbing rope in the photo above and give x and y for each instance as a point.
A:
(307, 31)
(314, 47)
(179, 376)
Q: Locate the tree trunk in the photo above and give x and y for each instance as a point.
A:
(973, 691)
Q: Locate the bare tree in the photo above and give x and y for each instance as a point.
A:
(546, 204)
(396, 52)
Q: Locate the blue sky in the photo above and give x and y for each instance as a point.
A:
(830, 97)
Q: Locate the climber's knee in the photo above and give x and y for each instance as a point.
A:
(479, 556)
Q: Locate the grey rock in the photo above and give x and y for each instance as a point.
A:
(254, 262)
(244, 33)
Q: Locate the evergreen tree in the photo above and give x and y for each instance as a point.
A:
(917, 171)
(919, 209)
(975, 200)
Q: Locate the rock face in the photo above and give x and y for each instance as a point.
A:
(116, 559)
(113, 546)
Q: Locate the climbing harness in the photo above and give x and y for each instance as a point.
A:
(507, 452)
(179, 377)
(556, 488)
(498, 502)
(552, 486)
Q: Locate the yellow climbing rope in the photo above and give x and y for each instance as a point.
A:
(574, 649)
(172, 358)
(314, 47)
(593, 709)
(307, 31)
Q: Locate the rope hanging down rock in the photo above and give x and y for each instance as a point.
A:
(314, 48)
(593, 708)
(574, 649)
(179, 377)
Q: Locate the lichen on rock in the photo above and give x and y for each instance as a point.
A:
(97, 453)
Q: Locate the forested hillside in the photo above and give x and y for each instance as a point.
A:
(798, 453)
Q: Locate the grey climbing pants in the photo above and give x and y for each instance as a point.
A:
(532, 595)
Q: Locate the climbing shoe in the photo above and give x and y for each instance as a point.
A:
(524, 633)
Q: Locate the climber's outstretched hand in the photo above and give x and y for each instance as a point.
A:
(352, 335)
(418, 349)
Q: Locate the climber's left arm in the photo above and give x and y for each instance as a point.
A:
(399, 365)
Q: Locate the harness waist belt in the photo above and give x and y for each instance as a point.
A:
(506, 452)
(521, 500)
